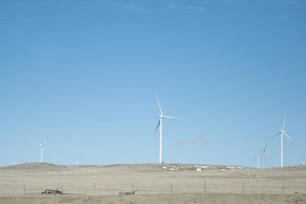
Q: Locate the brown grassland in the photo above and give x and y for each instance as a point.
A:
(152, 183)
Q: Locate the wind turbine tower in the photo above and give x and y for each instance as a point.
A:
(282, 133)
(42, 147)
(262, 156)
(258, 161)
(160, 127)
(259, 158)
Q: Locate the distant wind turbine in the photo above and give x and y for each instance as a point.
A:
(76, 161)
(258, 161)
(264, 150)
(42, 147)
(160, 127)
(282, 133)
(262, 156)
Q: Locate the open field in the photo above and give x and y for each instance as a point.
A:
(182, 198)
(153, 183)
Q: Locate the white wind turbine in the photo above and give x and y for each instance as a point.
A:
(160, 126)
(259, 158)
(282, 133)
(262, 156)
(42, 147)
(258, 161)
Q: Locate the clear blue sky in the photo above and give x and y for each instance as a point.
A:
(83, 76)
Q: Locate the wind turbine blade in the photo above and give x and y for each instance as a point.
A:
(288, 136)
(284, 122)
(158, 124)
(171, 117)
(265, 147)
(159, 106)
(278, 133)
(268, 142)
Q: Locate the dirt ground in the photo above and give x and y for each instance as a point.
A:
(181, 198)
(152, 183)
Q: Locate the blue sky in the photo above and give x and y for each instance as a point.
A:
(83, 76)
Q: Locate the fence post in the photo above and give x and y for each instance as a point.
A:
(242, 187)
(204, 186)
(283, 188)
(171, 187)
(132, 187)
(24, 190)
(94, 187)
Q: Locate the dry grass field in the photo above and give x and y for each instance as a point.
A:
(153, 183)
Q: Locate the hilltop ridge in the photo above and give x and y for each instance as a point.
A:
(35, 166)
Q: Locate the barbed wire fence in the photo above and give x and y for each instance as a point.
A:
(204, 186)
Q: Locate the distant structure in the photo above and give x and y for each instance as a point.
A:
(258, 161)
(42, 147)
(160, 127)
(262, 156)
(76, 161)
(282, 133)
